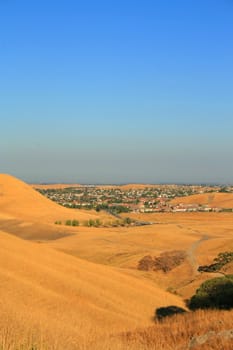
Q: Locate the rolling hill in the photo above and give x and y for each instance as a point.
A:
(84, 290)
(219, 200)
(28, 214)
(70, 297)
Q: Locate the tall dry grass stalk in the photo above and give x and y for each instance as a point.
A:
(173, 333)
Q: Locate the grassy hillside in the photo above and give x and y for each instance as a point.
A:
(80, 287)
(201, 235)
(70, 297)
(25, 212)
(220, 200)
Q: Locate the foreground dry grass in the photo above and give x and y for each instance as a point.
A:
(69, 299)
(174, 333)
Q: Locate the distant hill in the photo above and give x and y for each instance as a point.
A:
(27, 213)
(221, 200)
(57, 186)
(21, 201)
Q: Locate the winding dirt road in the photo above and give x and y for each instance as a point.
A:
(191, 253)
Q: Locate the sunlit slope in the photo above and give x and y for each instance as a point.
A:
(221, 200)
(68, 296)
(21, 201)
(201, 235)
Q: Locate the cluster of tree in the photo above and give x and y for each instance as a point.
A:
(78, 206)
(121, 222)
(118, 209)
(216, 293)
(115, 209)
(93, 223)
(72, 223)
(221, 260)
(224, 189)
(98, 223)
(68, 223)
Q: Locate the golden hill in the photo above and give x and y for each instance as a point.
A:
(201, 235)
(58, 186)
(69, 300)
(82, 291)
(20, 200)
(220, 200)
(27, 213)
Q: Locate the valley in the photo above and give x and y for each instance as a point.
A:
(72, 287)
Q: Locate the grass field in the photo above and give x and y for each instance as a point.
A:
(80, 288)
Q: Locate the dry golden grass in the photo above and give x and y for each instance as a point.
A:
(176, 332)
(26, 213)
(70, 297)
(220, 200)
(124, 247)
(84, 291)
(19, 200)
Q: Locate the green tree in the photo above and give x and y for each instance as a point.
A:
(214, 293)
(75, 223)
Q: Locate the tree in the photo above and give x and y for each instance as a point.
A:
(214, 293)
(221, 260)
(75, 223)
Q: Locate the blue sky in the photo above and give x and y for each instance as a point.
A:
(117, 91)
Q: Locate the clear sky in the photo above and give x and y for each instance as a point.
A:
(117, 91)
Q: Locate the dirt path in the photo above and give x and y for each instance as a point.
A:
(192, 253)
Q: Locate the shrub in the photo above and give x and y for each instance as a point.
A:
(75, 223)
(146, 263)
(169, 260)
(127, 221)
(165, 262)
(221, 260)
(58, 222)
(214, 293)
(68, 223)
(98, 223)
(168, 311)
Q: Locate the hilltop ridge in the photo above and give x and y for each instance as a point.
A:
(214, 199)
(20, 200)
(27, 213)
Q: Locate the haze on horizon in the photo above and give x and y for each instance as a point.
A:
(117, 91)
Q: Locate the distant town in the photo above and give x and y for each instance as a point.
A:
(138, 199)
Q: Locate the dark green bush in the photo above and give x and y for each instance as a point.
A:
(75, 223)
(214, 293)
(168, 311)
(221, 260)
